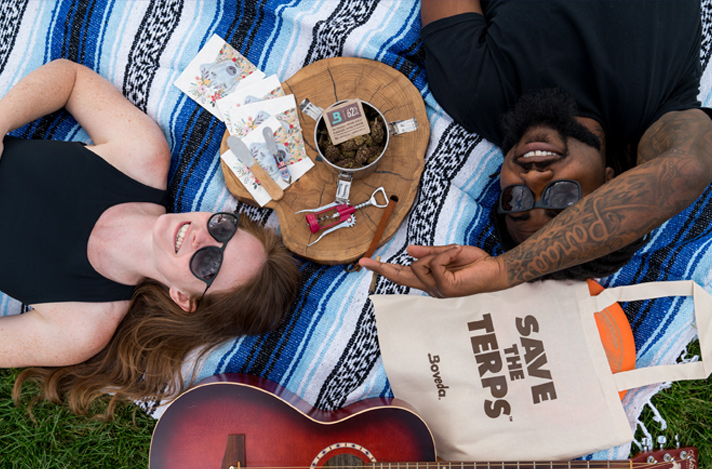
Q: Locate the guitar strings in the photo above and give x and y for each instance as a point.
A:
(496, 465)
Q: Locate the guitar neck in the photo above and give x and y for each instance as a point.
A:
(627, 464)
(684, 458)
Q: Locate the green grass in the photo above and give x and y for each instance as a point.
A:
(686, 408)
(58, 439)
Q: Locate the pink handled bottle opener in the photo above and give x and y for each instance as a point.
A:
(340, 215)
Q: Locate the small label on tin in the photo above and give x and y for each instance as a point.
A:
(346, 121)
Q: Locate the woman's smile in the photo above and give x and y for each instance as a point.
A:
(180, 235)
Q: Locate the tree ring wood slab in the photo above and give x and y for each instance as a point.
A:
(324, 83)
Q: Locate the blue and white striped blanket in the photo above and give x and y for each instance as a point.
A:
(328, 351)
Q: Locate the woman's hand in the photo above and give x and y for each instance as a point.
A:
(445, 271)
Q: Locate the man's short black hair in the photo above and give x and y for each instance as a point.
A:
(556, 109)
(551, 107)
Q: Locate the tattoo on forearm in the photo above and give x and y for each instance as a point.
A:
(674, 168)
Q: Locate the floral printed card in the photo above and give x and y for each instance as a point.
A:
(215, 72)
(245, 119)
(287, 136)
(268, 88)
(263, 90)
(241, 120)
(245, 176)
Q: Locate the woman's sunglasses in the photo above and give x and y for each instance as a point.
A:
(557, 195)
(205, 263)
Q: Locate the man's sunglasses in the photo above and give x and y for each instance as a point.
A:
(205, 263)
(557, 195)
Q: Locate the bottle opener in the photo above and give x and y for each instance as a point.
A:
(337, 215)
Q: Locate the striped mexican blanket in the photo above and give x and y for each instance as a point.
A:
(328, 351)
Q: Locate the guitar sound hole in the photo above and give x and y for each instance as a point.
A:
(344, 460)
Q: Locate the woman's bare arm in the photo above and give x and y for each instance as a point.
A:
(58, 334)
(122, 134)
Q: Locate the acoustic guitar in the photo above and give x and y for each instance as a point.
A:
(242, 421)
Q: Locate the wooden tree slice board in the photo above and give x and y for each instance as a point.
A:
(324, 83)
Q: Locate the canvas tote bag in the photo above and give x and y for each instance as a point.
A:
(521, 374)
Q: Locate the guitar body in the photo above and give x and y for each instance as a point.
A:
(280, 429)
(242, 421)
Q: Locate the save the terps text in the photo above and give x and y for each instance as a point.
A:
(527, 358)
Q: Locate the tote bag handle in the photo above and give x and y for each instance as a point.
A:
(703, 320)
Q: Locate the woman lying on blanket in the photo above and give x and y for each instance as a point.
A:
(120, 289)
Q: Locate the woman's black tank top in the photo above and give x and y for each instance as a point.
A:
(51, 195)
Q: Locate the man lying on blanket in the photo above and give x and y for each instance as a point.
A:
(569, 91)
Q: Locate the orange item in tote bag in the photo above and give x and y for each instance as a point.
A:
(616, 335)
(524, 365)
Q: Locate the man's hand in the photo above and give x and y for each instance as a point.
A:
(444, 271)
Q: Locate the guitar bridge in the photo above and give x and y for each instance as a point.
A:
(234, 457)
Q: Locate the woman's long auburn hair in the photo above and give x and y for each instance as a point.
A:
(144, 357)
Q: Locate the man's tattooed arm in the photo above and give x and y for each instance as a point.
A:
(674, 166)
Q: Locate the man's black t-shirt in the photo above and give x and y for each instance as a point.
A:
(625, 62)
